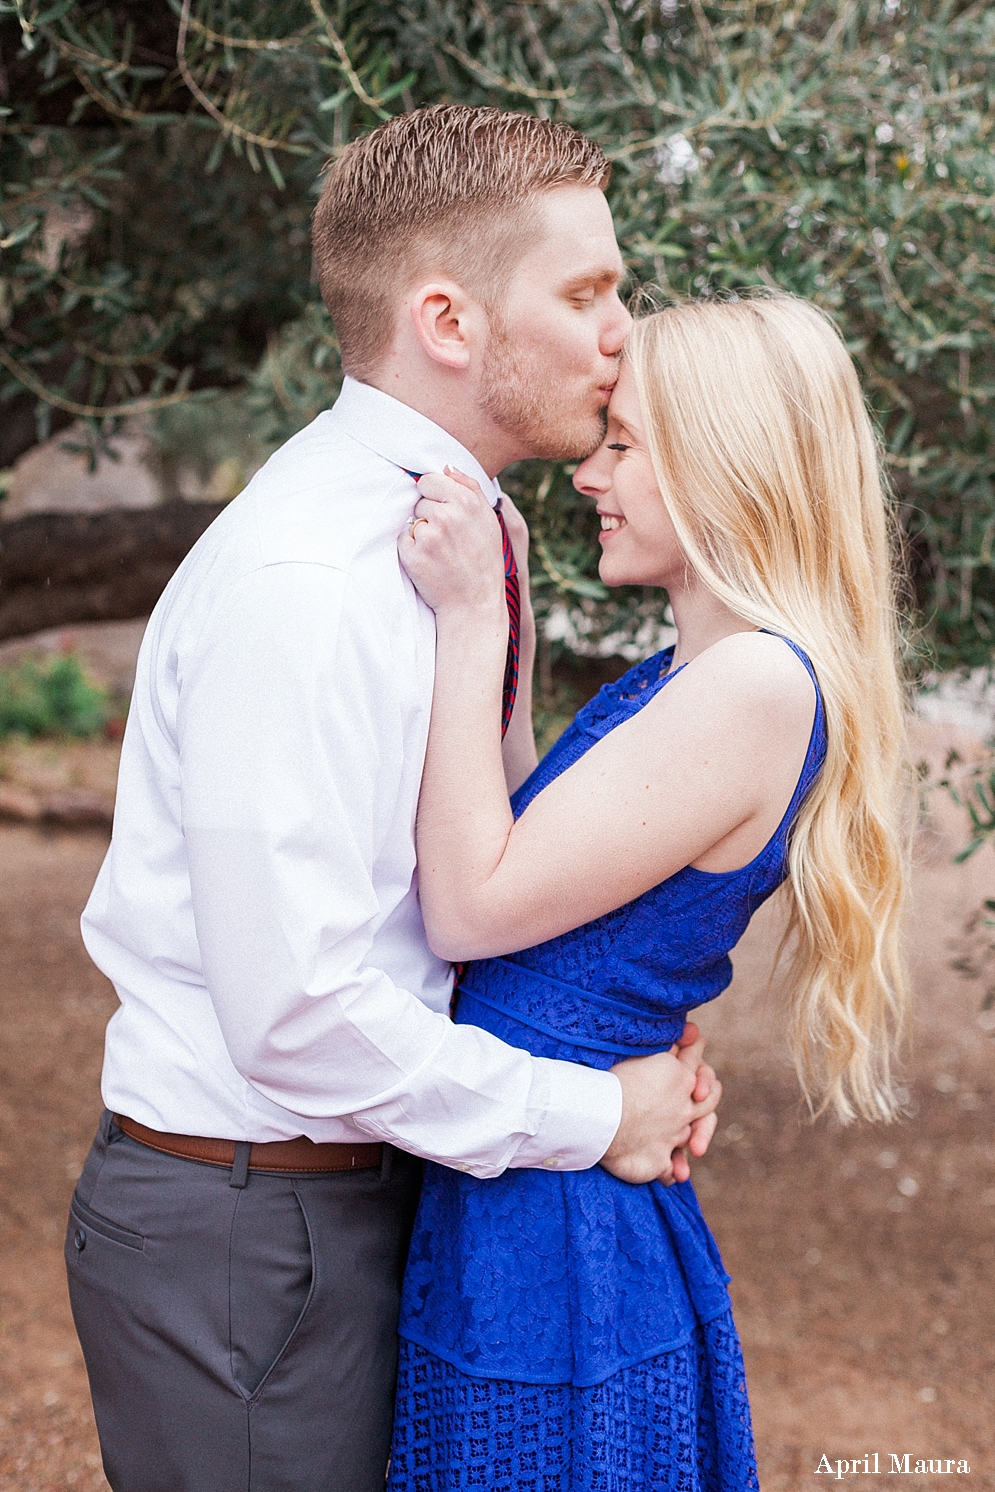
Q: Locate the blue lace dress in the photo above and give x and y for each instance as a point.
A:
(569, 1332)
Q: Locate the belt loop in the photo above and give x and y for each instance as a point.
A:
(387, 1162)
(240, 1165)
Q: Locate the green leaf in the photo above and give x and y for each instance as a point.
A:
(54, 13)
(274, 169)
(97, 199)
(19, 235)
(384, 95)
(335, 102)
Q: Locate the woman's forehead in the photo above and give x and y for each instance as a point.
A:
(624, 404)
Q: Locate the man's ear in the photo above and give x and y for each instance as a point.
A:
(446, 322)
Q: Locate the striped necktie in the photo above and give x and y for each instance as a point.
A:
(513, 596)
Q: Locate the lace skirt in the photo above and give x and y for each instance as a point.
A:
(679, 1422)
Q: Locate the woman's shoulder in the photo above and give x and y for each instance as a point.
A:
(761, 667)
(760, 683)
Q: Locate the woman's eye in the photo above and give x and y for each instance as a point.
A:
(618, 447)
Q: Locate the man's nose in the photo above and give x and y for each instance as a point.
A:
(616, 329)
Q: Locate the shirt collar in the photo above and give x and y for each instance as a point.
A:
(402, 436)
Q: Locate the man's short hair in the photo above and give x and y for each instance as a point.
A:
(445, 190)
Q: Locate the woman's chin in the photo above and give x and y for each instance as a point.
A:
(616, 570)
(614, 574)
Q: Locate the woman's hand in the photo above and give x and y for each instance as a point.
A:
(452, 548)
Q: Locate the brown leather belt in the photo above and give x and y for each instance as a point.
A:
(301, 1154)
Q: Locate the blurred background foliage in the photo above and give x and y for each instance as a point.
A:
(159, 160)
(51, 698)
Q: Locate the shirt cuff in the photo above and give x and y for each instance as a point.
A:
(582, 1113)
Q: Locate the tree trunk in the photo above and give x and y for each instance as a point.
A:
(58, 569)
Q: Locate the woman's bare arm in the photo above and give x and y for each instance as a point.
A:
(519, 748)
(701, 775)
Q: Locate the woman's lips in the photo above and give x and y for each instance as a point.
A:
(611, 523)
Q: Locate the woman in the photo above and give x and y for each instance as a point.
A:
(571, 1332)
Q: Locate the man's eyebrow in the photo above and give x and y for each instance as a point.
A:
(604, 277)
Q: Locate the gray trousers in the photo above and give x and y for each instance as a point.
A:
(238, 1339)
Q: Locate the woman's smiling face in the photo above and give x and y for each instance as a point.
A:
(638, 543)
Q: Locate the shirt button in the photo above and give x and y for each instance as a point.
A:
(552, 1163)
(79, 1239)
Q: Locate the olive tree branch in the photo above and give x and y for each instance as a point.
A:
(345, 62)
(87, 411)
(229, 126)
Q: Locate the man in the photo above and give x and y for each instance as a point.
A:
(282, 1052)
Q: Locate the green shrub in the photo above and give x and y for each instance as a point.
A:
(51, 699)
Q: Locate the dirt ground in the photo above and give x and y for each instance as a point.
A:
(862, 1258)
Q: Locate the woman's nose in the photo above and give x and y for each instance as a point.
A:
(593, 476)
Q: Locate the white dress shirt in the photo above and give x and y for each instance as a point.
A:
(257, 911)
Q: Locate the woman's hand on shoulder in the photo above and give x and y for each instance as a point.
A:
(451, 548)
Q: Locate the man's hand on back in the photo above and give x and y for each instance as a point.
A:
(668, 1103)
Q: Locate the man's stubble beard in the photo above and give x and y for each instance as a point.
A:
(516, 391)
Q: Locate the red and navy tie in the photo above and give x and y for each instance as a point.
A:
(513, 596)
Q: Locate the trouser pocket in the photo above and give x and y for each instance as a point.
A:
(84, 1223)
(270, 1275)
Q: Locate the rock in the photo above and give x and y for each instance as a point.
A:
(70, 808)
(963, 699)
(77, 808)
(21, 806)
(50, 479)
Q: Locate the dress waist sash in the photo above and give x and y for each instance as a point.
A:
(568, 1013)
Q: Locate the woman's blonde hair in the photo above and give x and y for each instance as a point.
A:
(769, 468)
